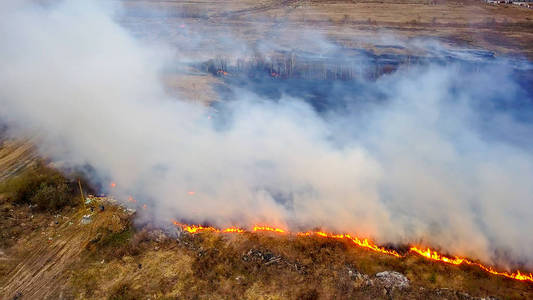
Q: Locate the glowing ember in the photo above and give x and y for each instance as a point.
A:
(113, 184)
(130, 199)
(366, 244)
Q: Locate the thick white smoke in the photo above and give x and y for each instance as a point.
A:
(415, 168)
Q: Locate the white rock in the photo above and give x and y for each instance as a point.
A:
(392, 279)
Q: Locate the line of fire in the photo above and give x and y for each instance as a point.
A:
(365, 243)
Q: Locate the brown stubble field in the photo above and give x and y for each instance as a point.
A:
(504, 29)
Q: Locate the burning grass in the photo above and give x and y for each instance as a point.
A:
(369, 245)
(118, 261)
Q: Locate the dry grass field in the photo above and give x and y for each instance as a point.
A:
(55, 256)
(205, 30)
(505, 29)
(51, 252)
(102, 251)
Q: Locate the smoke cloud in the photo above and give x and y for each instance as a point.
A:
(438, 154)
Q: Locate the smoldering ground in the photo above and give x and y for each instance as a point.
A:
(439, 154)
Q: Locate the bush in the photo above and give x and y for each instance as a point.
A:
(41, 186)
(53, 196)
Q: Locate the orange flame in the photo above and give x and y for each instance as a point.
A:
(366, 244)
(434, 255)
(267, 228)
(112, 184)
(233, 230)
(196, 229)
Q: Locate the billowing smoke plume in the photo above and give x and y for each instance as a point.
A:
(435, 154)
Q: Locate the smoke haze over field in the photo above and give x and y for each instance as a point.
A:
(438, 154)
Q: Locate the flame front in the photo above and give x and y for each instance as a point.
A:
(268, 228)
(233, 230)
(434, 255)
(363, 243)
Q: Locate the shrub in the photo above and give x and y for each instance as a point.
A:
(52, 196)
(41, 186)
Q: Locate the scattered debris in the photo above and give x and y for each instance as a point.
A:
(255, 254)
(130, 211)
(86, 219)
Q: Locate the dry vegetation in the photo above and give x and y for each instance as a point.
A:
(15, 156)
(208, 29)
(503, 28)
(47, 253)
(51, 254)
